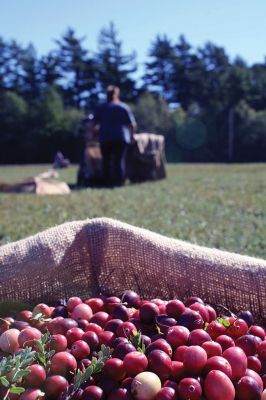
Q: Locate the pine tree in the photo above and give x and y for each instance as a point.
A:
(77, 69)
(114, 67)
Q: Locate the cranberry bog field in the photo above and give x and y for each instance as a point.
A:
(215, 205)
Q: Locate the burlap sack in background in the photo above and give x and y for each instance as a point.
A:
(102, 255)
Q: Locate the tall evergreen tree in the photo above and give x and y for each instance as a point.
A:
(49, 66)
(77, 69)
(13, 67)
(187, 74)
(159, 71)
(114, 67)
(257, 94)
(3, 63)
(30, 74)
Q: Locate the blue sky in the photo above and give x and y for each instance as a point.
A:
(238, 25)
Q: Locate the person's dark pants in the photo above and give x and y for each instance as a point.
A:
(114, 162)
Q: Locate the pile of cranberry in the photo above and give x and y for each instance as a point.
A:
(161, 350)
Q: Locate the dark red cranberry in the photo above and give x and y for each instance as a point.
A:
(60, 311)
(131, 298)
(191, 320)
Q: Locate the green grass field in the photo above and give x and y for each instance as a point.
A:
(222, 206)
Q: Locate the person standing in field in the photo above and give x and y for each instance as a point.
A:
(116, 125)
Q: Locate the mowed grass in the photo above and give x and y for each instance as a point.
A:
(222, 206)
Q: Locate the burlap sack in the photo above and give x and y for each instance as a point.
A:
(146, 158)
(102, 255)
(38, 185)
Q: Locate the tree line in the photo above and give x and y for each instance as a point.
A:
(209, 108)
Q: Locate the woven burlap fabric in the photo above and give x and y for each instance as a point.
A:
(103, 255)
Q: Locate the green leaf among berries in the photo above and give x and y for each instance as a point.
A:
(224, 322)
(97, 365)
(137, 341)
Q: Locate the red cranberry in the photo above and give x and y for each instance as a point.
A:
(125, 329)
(246, 316)
(189, 388)
(94, 328)
(61, 325)
(238, 361)
(112, 325)
(19, 325)
(114, 369)
(166, 393)
(93, 393)
(146, 340)
(191, 320)
(24, 315)
(120, 312)
(27, 336)
(261, 350)
(120, 394)
(198, 337)
(73, 335)
(218, 363)
(225, 342)
(63, 363)
(57, 343)
(254, 363)
(160, 344)
(82, 311)
(72, 303)
(60, 311)
(248, 389)
(201, 309)
(255, 376)
(164, 322)
(96, 304)
(106, 338)
(111, 302)
(175, 308)
(237, 328)
(92, 339)
(212, 312)
(148, 313)
(54, 386)
(100, 318)
(247, 343)
(215, 329)
(131, 298)
(119, 340)
(195, 359)
(178, 371)
(257, 331)
(83, 324)
(160, 363)
(80, 349)
(177, 336)
(122, 349)
(212, 349)
(218, 386)
(135, 363)
(179, 353)
(36, 376)
(193, 299)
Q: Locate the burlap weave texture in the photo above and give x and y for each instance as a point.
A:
(103, 255)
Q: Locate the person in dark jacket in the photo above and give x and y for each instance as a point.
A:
(115, 124)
